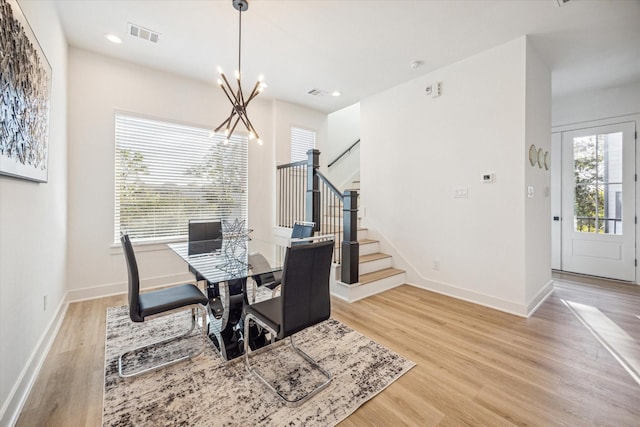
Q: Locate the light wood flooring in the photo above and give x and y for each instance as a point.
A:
(475, 366)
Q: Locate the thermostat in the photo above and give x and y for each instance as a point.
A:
(487, 177)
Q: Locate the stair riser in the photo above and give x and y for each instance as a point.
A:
(371, 266)
(369, 248)
(357, 292)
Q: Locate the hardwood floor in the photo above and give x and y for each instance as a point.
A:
(475, 366)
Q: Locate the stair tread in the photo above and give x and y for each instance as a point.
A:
(379, 275)
(373, 257)
(367, 241)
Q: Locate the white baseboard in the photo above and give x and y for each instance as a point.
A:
(122, 287)
(474, 297)
(540, 298)
(11, 409)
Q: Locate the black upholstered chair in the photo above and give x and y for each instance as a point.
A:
(302, 230)
(304, 301)
(204, 236)
(158, 303)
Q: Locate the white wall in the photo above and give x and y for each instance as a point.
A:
(102, 85)
(409, 173)
(343, 131)
(287, 115)
(596, 104)
(99, 86)
(33, 231)
(537, 208)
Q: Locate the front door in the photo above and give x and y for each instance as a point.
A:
(598, 201)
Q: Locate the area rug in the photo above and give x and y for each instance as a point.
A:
(207, 391)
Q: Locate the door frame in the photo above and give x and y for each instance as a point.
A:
(556, 181)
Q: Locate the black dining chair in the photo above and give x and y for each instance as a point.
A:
(301, 233)
(304, 301)
(204, 236)
(161, 302)
(302, 230)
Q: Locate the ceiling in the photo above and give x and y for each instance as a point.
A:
(360, 47)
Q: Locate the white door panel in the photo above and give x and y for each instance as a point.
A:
(598, 201)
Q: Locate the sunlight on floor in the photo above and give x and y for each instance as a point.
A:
(622, 347)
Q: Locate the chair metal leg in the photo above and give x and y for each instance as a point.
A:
(204, 312)
(309, 359)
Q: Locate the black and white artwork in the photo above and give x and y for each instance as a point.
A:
(25, 86)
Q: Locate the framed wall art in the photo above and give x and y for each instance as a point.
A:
(25, 91)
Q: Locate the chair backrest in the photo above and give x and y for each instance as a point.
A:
(305, 286)
(302, 230)
(134, 279)
(258, 262)
(204, 236)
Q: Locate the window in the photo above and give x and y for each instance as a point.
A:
(598, 183)
(168, 173)
(302, 140)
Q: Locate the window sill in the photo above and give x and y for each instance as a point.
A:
(148, 246)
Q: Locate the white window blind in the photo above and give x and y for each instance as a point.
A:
(302, 140)
(168, 173)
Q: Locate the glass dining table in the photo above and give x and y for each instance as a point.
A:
(231, 271)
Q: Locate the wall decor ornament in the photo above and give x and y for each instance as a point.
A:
(547, 160)
(540, 158)
(533, 155)
(25, 88)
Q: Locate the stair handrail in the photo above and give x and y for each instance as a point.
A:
(328, 183)
(350, 248)
(293, 164)
(344, 153)
(305, 192)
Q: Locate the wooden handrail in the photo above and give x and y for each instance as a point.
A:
(291, 165)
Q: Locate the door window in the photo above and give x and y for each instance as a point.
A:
(598, 183)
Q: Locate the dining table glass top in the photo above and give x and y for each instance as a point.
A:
(225, 259)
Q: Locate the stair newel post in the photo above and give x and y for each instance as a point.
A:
(312, 208)
(350, 246)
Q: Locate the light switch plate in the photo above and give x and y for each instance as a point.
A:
(461, 193)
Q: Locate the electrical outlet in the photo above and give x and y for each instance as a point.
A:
(436, 264)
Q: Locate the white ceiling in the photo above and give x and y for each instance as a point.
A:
(361, 47)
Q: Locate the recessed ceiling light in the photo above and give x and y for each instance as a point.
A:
(335, 93)
(113, 38)
(416, 64)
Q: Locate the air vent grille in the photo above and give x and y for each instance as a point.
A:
(143, 33)
(318, 92)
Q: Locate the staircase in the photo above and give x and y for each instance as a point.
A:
(304, 193)
(377, 273)
(376, 270)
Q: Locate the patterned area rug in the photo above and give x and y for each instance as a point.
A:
(206, 391)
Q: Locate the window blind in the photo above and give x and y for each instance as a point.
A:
(302, 140)
(167, 173)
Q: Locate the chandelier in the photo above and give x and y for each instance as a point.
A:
(239, 102)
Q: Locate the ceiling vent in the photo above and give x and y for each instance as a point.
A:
(143, 33)
(318, 92)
